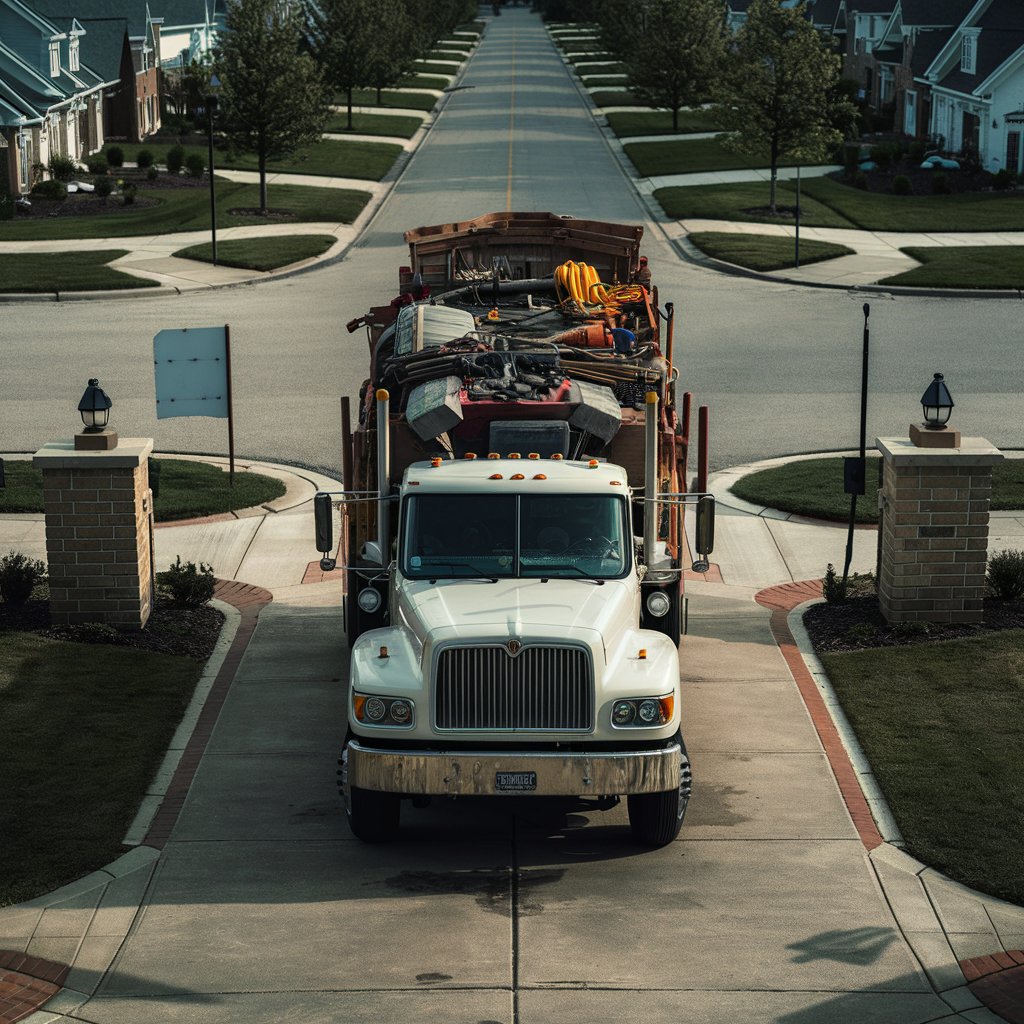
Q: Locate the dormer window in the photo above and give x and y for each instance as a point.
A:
(74, 64)
(969, 52)
(54, 60)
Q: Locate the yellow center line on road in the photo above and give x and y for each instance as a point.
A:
(511, 122)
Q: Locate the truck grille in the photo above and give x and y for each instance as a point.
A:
(541, 688)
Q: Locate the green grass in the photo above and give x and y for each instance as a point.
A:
(659, 122)
(423, 82)
(388, 98)
(996, 266)
(604, 70)
(941, 726)
(599, 81)
(65, 272)
(345, 159)
(79, 752)
(435, 69)
(187, 489)
(592, 56)
(682, 156)
(267, 253)
(608, 98)
(732, 202)
(814, 487)
(450, 53)
(763, 252)
(189, 210)
(375, 124)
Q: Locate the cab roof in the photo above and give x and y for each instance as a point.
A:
(448, 475)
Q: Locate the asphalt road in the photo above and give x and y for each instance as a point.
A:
(779, 366)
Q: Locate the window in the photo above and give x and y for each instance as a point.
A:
(54, 60)
(968, 52)
(73, 62)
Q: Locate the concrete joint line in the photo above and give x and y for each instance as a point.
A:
(165, 773)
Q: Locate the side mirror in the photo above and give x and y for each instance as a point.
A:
(323, 516)
(704, 532)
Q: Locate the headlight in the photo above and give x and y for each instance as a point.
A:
(658, 603)
(393, 711)
(369, 600)
(643, 712)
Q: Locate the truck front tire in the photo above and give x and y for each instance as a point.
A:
(373, 816)
(656, 818)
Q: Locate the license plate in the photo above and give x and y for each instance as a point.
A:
(515, 782)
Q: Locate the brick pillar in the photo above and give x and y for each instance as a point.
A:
(934, 543)
(97, 506)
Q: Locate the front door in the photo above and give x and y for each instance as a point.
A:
(910, 114)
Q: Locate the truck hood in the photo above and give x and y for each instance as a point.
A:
(517, 607)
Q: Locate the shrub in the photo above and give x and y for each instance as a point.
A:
(18, 576)
(188, 585)
(62, 168)
(129, 192)
(860, 180)
(104, 186)
(144, 158)
(195, 164)
(152, 174)
(115, 156)
(832, 587)
(940, 184)
(1002, 180)
(851, 157)
(1005, 575)
(87, 633)
(50, 189)
(901, 185)
(914, 627)
(175, 159)
(916, 150)
(882, 155)
(97, 165)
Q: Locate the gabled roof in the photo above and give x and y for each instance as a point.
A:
(178, 14)
(934, 13)
(927, 45)
(133, 12)
(1000, 41)
(870, 6)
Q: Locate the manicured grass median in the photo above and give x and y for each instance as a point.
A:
(763, 252)
(80, 749)
(186, 489)
(395, 125)
(996, 266)
(64, 272)
(744, 201)
(345, 159)
(388, 98)
(683, 156)
(612, 98)
(941, 725)
(814, 487)
(659, 122)
(260, 253)
(189, 210)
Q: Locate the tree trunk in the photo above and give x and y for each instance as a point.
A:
(263, 182)
(675, 119)
(378, 94)
(348, 93)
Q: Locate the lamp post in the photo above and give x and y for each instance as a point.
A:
(211, 108)
(937, 405)
(94, 408)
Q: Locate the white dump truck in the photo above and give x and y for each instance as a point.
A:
(514, 542)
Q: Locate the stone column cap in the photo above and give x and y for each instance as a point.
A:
(130, 452)
(973, 451)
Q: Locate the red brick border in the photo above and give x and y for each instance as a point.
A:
(782, 600)
(250, 601)
(26, 982)
(998, 982)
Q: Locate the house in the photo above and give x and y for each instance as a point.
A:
(123, 42)
(189, 30)
(51, 99)
(977, 85)
(859, 26)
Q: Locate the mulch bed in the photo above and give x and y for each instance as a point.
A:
(191, 632)
(857, 623)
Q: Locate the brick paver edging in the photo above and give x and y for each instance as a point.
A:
(26, 982)
(782, 600)
(250, 601)
(998, 982)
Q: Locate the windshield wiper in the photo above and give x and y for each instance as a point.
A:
(477, 575)
(581, 573)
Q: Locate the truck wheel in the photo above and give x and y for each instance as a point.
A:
(373, 816)
(655, 818)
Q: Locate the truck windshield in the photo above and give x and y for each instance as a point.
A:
(464, 535)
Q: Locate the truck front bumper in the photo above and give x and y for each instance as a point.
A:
(497, 773)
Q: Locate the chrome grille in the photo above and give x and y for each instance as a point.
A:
(541, 688)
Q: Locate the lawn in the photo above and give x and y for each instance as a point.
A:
(659, 122)
(682, 156)
(744, 201)
(586, 56)
(64, 272)
(996, 266)
(619, 70)
(814, 487)
(437, 69)
(267, 253)
(388, 98)
(189, 210)
(424, 82)
(449, 53)
(930, 718)
(396, 125)
(611, 98)
(763, 252)
(600, 81)
(80, 750)
(183, 489)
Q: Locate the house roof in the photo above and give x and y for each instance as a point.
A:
(179, 14)
(927, 45)
(1001, 36)
(934, 13)
(824, 12)
(62, 11)
(870, 6)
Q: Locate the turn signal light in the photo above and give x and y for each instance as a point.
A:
(593, 463)
(642, 654)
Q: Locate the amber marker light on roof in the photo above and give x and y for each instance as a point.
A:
(539, 476)
(642, 654)
(517, 476)
(495, 476)
(493, 455)
(557, 456)
(470, 455)
(615, 483)
(533, 455)
(435, 461)
(514, 455)
(593, 463)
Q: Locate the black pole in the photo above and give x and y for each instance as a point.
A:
(797, 254)
(863, 445)
(210, 101)
(231, 410)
